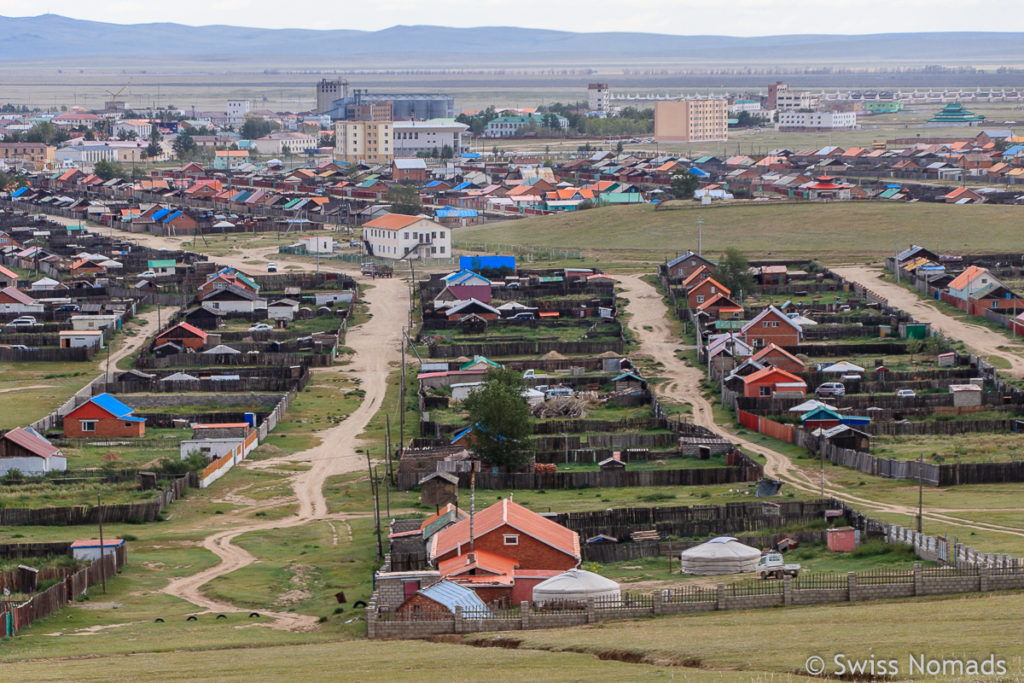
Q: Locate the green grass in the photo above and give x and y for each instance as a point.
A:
(855, 230)
(158, 443)
(40, 494)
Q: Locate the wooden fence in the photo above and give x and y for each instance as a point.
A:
(526, 348)
(72, 515)
(14, 618)
(621, 552)
(744, 470)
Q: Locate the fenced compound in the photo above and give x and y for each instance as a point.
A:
(72, 515)
(751, 594)
(13, 618)
(526, 348)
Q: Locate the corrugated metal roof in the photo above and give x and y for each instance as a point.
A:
(452, 595)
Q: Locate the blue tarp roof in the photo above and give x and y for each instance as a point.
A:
(20, 191)
(452, 212)
(699, 172)
(116, 408)
(433, 183)
(452, 595)
(463, 186)
(172, 216)
(471, 155)
(160, 214)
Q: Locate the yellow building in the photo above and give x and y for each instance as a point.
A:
(369, 141)
(691, 120)
(31, 155)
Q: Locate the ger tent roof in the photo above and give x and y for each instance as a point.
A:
(843, 367)
(576, 585)
(722, 555)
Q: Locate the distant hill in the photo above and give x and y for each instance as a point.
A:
(50, 36)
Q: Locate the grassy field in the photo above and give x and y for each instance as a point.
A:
(848, 232)
(951, 448)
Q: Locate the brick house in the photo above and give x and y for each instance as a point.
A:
(511, 530)
(440, 599)
(771, 326)
(103, 415)
(683, 265)
(721, 307)
(409, 170)
(8, 278)
(185, 335)
(778, 357)
(705, 290)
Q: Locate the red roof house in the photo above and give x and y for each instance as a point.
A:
(770, 381)
(185, 335)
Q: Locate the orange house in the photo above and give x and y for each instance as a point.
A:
(510, 530)
(721, 307)
(187, 336)
(780, 358)
(705, 290)
(770, 381)
(103, 416)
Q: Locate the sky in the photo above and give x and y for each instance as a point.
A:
(680, 17)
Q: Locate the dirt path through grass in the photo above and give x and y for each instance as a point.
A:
(657, 340)
(376, 347)
(978, 338)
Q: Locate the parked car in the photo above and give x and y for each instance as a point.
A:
(833, 389)
(557, 391)
(22, 347)
(23, 321)
(772, 566)
(271, 267)
(906, 393)
(261, 327)
(73, 308)
(147, 273)
(525, 315)
(512, 285)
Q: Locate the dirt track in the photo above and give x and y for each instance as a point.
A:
(649, 310)
(376, 346)
(978, 338)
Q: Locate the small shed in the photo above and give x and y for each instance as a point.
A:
(841, 539)
(722, 555)
(439, 489)
(441, 599)
(965, 395)
(947, 360)
(575, 586)
(845, 436)
(89, 550)
(612, 464)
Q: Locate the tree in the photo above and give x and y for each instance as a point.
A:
(733, 272)
(256, 127)
(109, 169)
(44, 131)
(502, 421)
(683, 184)
(153, 149)
(12, 180)
(619, 147)
(184, 146)
(326, 140)
(447, 152)
(404, 199)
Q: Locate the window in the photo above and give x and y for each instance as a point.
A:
(764, 391)
(700, 298)
(775, 323)
(128, 424)
(764, 323)
(88, 425)
(511, 539)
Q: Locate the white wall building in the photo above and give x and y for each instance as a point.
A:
(397, 236)
(237, 109)
(816, 120)
(317, 244)
(599, 98)
(412, 137)
(277, 144)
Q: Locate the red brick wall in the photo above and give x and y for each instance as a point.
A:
(189, 342)
(425, 605)
(783, 335)
(529, 554)
(105, 424)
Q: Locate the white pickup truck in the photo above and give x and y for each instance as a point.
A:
(772, 566)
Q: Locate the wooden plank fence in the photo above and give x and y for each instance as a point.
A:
(14, 618)
(72, 515)
(503, 349)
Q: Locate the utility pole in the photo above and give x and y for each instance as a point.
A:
(920, 490)
(401, 405)
(103, 566)
(387, 445)
(700, 230)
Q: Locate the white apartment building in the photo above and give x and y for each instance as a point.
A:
(397, 236)
(413, 137)
(237, 109)
(599, 98)
(816, 120)
(277, 144)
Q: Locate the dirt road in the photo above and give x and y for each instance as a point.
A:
(376, 346)
(657, 340)
(978, 338)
